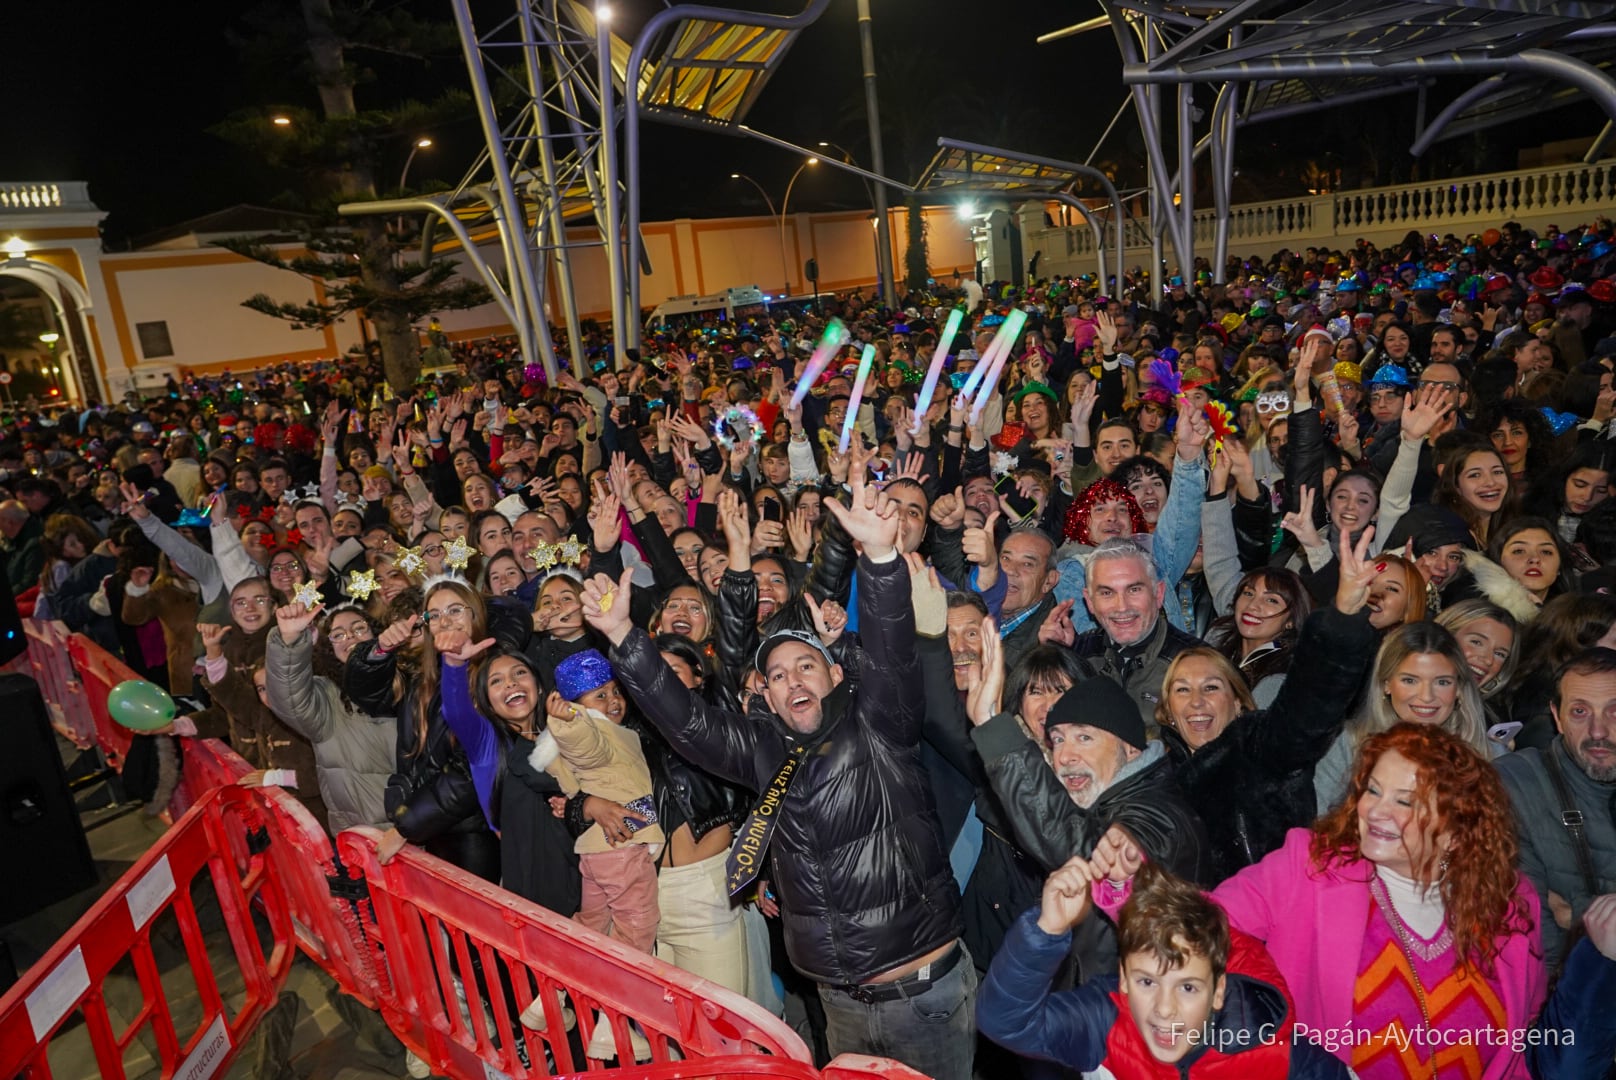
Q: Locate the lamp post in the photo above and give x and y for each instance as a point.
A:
(785, 265)
(422, 143)
(872, 111)
(875, 220)
(49, 338)
(783, 204)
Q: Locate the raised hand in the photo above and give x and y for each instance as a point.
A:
(1105, 332)
(870, 519)
(1192, 431)
(294, 619)
(1083, 407)
(1599, 921)
(606, 605)
(1117, 856)
(1299, 523)
(398, 635)
(1057, 628)
(948, 512)
(830, 618)
(732, 518)
(800, 534)
(1067, 898)
(1346, 428)
(133, 501)
(457, 648)
(604, 520)
(980, 548)
(1422, 411)
(984, 697)
(1358, 573)
(213, 635)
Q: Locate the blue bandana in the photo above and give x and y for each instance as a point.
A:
(582, 672)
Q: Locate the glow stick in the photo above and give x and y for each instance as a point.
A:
(833, 338)
(865, 362)
(939, 358)
(1003, 342)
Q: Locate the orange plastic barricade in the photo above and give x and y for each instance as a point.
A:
(432, 920)
(73, 976)
(100, 671)
(63, 693)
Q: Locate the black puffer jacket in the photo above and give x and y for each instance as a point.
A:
(1254, 782)
(857, 854)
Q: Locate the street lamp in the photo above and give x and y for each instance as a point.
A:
(281, 121)
(422, 143)
(783, 204)
(785, 266)
(50, 338)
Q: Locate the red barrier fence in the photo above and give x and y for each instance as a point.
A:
(64, 695)
(449, 960)
(192, 1039)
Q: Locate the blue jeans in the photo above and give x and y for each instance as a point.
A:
(931, 1027)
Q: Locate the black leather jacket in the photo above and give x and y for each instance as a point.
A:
(857, 856)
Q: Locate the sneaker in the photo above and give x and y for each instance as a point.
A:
(533, 1016)
(417, 1068)
(603, 1046)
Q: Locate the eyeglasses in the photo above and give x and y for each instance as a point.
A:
(282, 567)
(434, 550)
(242, 603)
(1453, 386)
(358, 633)
(453, 611)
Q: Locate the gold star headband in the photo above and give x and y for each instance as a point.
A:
(547, 556)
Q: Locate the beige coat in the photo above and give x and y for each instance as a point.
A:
(591, 754)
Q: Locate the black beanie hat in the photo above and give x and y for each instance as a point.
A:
(1430, 527)
(1100, 703)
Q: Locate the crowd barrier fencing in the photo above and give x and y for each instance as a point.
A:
(59, 684)
(450, 961)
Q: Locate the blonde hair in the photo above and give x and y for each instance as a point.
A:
(1468, 721)
(1230, 674)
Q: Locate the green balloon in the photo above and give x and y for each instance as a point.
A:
(140, 705)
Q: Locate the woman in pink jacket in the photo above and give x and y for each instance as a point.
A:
(1408, 937)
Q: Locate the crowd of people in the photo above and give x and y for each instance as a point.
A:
(1233, 693)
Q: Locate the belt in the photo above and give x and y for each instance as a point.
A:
(906, 987)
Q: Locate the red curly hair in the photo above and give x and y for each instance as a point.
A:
(1459, 794)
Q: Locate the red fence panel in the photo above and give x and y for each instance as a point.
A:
(432, 919)
(72, 977)
(100, 671)
(64, 695)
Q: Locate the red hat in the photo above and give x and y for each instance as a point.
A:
(1537, 298)
(1603, 291)
(1546, 279)
(1497, 283)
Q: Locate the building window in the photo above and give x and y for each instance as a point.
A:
(154, 339)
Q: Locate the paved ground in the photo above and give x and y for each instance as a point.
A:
(306, 1036)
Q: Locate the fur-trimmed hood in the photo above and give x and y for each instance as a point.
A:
(1496, 585)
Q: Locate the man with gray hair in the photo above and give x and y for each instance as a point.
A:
(1134, 642)
(21, 545)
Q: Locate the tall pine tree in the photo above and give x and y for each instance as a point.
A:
(332, 154)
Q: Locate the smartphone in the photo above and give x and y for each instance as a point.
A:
(771, 510)
(1018, 502)
(1502, 733)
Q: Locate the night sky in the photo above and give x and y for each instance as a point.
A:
(126, 103)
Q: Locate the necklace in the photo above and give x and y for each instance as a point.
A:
(1406, 942)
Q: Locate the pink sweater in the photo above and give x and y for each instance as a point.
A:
(1314, 923)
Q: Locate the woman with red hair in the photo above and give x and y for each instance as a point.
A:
(1400, 922)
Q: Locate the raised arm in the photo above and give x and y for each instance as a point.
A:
(289, 676)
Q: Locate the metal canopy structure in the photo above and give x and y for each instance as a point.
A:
(962, 169)
(1284, 58)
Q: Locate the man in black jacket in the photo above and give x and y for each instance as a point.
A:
(1104, 783)
(870, 908)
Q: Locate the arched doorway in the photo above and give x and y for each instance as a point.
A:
(72, 353)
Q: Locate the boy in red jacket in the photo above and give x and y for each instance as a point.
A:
(1194, 998)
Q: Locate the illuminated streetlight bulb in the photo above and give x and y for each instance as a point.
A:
(967, 210)
(813, 161)
(604, 13)
(50, 337)
(281, 121)
(734, 176)
(423, 142)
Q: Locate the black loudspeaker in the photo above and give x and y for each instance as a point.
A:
(810, 269)
(46, 855)
(13, 642)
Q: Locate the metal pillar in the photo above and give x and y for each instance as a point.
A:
(1145, 104)
(872, 110)
(608, 168)
(648, 38)
(518, 267)
(1222, 136)
(557, 224)
(1602, 140)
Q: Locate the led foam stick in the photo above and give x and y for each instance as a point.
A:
(939, 358)
(1003, 342)
(833, 338)
(858, 394)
